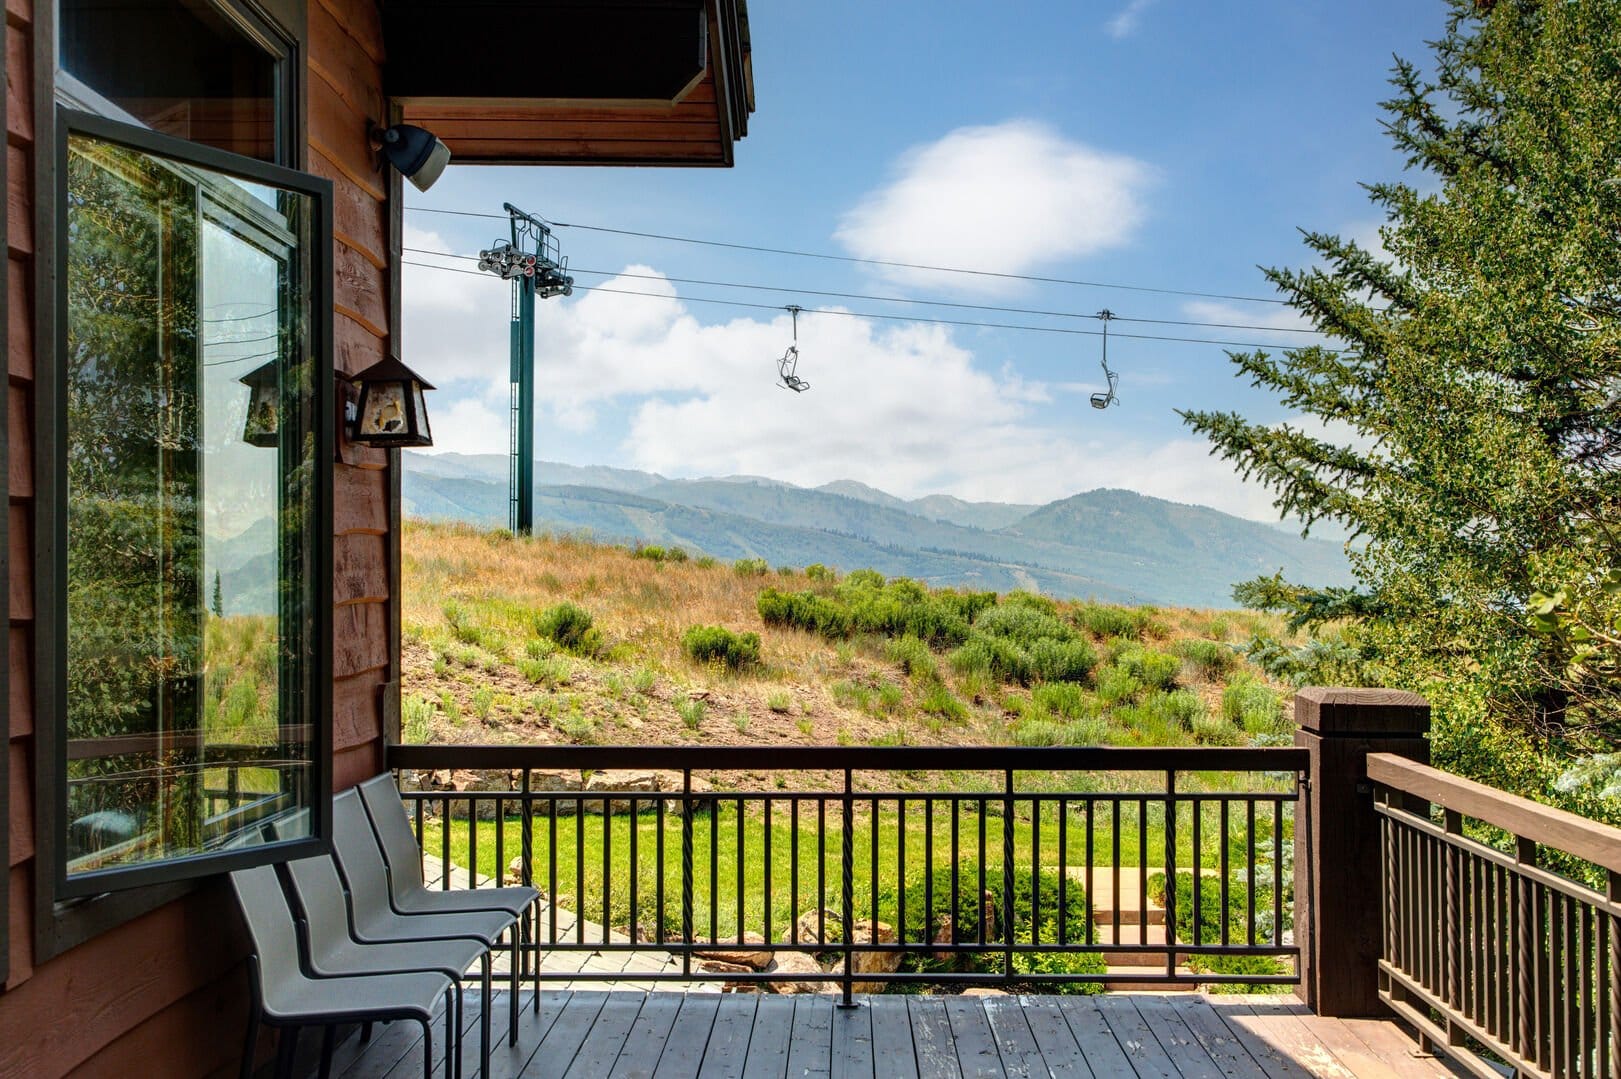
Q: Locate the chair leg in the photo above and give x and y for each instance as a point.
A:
(484, 1018)
(512, 1018)
(453, 1043)
(427, 1050)
(286, 1050)
(328, 1033)
(365, 1032)
(534, 937)
(250, 1045)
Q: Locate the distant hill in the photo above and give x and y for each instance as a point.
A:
(1112, 545)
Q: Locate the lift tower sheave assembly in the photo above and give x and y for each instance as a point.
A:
(532, 260)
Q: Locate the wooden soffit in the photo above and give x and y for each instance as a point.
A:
(590, 82)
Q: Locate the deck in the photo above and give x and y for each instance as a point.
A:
(597, 1034)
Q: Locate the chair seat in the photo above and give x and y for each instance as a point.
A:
(381, 996)
(453, 957)
(514, 900)
(372, 925)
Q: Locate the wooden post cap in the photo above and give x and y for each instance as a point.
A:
(1342, 711)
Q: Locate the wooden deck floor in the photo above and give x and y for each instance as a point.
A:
(586, 1034)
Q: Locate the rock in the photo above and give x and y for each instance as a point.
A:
(514, 871)
(621, 782)
(806, 926)
(983, 991)
(862, 932)
(943, 925)
(753, 958)
(796, 963)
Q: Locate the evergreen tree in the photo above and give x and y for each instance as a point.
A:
(1465, 420)
(218, 603)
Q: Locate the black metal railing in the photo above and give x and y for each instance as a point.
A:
(1492, 955)
(992, 865)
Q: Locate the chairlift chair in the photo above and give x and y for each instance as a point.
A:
(1107, 397)
(788, 366)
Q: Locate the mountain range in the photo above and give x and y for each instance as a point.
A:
(1108, 544)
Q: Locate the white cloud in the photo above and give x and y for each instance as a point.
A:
(1022, 194)
(1124, 24)
(907, 408)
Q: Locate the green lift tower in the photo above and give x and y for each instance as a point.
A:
(532, 260)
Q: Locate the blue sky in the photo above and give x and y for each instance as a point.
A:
(1160, 143)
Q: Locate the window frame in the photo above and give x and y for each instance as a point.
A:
(319, 665)
(60, 924)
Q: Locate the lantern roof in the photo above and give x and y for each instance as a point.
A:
(390, 369)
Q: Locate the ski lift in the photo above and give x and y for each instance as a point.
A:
(789, 364)
(1107, 398)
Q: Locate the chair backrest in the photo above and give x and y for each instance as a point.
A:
(354, 846)
(393, 829)
(320, 893)
(270, 925)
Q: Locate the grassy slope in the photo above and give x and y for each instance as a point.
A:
(475, 669)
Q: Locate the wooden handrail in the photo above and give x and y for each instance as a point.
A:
(1576, 835)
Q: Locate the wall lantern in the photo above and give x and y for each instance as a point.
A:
(390, 412)
(263, 426)
(414, 151)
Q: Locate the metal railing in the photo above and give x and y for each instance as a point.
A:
(993, 865)
(1491, 955)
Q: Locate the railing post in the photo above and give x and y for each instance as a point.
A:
(1338, 879)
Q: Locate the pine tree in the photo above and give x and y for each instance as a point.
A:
(1465, 421)
(218, 604)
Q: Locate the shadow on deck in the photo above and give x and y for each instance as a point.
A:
(596, 1034)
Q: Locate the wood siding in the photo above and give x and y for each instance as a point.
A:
(170, 984)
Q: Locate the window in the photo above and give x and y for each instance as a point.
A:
(192, 441)
(202, 73)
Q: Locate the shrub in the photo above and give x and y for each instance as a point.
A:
(804, 610)
(1115, 684)
(1209, 659)
(650, 552)
(551, 671)
(1104, 620)
(1214, 730)
(571, 626)
(676, 554)
(415, 712)
(691, 712)
(1210, 924)
(1061, 661)
(779, 702)
(717, 644)
(1251, 705)
(1182, 707)
(751, 567)
(1033, 600)
(704, 561)
(970, 922)
(1023, 623)
(914, 657)
(1064, 699)
(939, 701)
(1157, 670)
(818, 572)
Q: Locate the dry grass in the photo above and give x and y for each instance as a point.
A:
(475, 668)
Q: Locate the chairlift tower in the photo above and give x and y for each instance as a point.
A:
(533, 261)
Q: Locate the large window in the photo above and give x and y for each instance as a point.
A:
(194, 423)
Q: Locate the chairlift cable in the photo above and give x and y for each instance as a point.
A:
(873, 315)
(833, 294)
(873, 262)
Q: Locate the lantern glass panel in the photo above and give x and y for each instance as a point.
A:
(383, 410)
(422, 411)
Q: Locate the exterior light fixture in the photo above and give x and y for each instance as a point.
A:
(414, 151)
(263, 426)
(390, 412)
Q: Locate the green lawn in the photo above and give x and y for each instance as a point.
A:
(736, 848)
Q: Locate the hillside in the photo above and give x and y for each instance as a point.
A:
(560, 640)
(1108, 545)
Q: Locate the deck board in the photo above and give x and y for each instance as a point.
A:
(632, 1034)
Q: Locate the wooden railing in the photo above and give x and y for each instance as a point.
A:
(978, 865)
(1488, 952)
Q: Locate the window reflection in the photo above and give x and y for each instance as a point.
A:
(188, 592)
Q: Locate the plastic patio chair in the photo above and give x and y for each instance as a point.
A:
(284, 996)
(409, 894)
(372, 920)
(332, 952)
